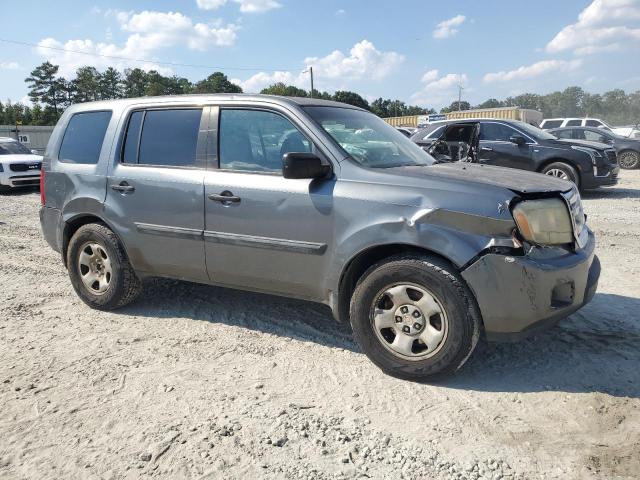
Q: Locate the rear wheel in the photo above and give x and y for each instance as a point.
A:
(99, 269)
(629, 160)
(562, 170)
(414, 317)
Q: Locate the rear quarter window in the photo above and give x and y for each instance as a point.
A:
(551, 124)
(83, 138)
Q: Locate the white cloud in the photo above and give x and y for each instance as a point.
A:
(246, 6)
(447, 28)
(430, 76)
(210, 4)
(439, 91)
(260, 80)
(605, 25)
(543, 67)
(149, 32)
(364, 61)
(9, 65)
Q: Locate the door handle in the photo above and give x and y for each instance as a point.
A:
(225, 197)
(486, 149)
(123, 187)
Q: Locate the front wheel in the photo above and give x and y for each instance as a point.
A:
(414, 317)
(99, 269)
(562, 170)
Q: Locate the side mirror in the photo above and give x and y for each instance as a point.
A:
(303, 165)
(517, 139)
(35, 152)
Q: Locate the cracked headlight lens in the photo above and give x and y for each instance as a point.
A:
(545, 221)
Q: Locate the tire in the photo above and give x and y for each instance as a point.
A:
(452, 333)
(629, 160)
(562, 170)
(116, 284)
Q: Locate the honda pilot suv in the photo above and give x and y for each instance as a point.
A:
(320, 201)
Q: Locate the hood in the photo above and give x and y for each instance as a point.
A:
(519, 181)
(583, 143)
(20, 158)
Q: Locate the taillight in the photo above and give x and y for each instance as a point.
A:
(43, 196)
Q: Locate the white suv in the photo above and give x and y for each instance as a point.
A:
(19, 167)
(549, 123)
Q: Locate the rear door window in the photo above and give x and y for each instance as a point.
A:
(83, 138)
(593, 123)
(574, 123)
(563, 134)
(167, 137)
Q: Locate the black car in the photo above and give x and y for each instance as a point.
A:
(514, 144)
(628, 149)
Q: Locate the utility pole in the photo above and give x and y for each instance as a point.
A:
(460, 88)
(311, 74)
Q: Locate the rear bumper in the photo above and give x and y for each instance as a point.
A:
(49, 223)
(519, 296)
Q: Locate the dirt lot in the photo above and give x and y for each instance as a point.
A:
(199, 382)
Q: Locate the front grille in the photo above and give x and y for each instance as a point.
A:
(25, 167)
(25, 183)
(611, 156)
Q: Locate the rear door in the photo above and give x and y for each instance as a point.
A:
(496, 148)
(155, 190)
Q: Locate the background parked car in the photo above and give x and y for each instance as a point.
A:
(19, 167)
(514, 144)
(549, 123)
(628, 149)
(407, 131)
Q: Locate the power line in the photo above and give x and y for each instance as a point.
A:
(142, 60)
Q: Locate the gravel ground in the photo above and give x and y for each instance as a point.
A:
(200, 382)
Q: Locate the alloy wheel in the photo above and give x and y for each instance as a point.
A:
(556, 172)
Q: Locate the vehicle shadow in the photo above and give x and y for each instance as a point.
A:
(610, 192)
(595, 350)
(286, 317)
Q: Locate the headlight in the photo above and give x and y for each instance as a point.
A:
(545, 221)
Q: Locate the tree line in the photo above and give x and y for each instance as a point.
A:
(50, 94)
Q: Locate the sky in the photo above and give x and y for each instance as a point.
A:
(417, 51)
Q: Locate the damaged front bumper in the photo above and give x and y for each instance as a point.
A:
(520, 295)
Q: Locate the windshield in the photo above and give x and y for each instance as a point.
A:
(367, 139)
(13, 148)
(535, 131)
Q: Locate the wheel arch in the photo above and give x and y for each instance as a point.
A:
(363, 260)
(576, 166)
(72, 224)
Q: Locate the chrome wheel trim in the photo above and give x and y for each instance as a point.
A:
(556, 172)
(409, 321)
(628, 160)
(94, 267)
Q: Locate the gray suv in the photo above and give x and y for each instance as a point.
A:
(315, 200)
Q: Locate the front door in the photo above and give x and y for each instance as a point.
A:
(263, 231)
(155, 192)
(496, 148)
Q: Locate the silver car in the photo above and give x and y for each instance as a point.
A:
(315, 200)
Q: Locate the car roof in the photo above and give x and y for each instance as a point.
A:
(203, 98)
(7, 140)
